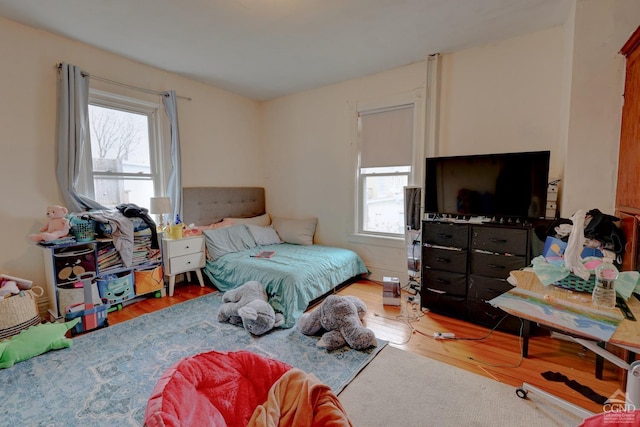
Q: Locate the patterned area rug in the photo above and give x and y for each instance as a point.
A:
(107, 375)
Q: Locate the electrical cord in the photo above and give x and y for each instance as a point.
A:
(517, 365)
(407, 323)
(413, 330)
(484, 337)
(520, 342)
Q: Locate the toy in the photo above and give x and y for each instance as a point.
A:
(57, 227)
(34, 341)
(339, 320)
(8, 287)
(248, 305)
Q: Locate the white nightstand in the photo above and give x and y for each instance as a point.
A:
(183, 256)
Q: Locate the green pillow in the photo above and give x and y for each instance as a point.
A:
(34, 341)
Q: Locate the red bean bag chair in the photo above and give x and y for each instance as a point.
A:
(212, 389)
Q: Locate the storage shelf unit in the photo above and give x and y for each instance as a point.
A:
(67, 263)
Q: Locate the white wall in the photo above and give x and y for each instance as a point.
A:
(600, 28)
(309, 142)
(504, 97)
(497, 98)
(220, 132)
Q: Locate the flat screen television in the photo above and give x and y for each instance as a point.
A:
(506, 185)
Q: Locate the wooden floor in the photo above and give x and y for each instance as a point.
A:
(498, 356)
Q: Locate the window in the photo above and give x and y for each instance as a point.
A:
(125, 164)
(385, 168)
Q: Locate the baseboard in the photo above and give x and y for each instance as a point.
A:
(43, 307)
(378, 273)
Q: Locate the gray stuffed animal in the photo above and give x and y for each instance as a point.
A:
(248, 305)
(339, 320)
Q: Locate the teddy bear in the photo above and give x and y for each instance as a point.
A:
(57, 227)
(339, 320)
(248, 305)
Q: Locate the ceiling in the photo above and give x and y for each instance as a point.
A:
(263, 49)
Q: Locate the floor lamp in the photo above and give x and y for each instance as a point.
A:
(160, 206)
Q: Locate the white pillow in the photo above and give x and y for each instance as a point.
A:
(261, 220)
(264, 235)
(296, 231)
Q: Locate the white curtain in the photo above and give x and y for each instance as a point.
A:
(174, 184)
(72, 137)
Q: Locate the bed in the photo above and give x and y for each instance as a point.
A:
(245, 243)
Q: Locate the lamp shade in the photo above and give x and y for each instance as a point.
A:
(160, 205)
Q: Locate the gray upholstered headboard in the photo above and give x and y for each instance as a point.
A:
(208, 205)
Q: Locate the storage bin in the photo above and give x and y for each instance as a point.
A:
(116, 287)
(20, 311)
(71, 294)
(149, 280)
(83, 227)
(92, 318)
(74, 263)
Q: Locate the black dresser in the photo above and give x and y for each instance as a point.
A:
(466, 264)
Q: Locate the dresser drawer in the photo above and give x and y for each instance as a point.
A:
(453, 283)
(485, 314)
(499, 240)
(443, 302)
(184, 263)
(447, 260)
(487, 288)
(452, 235)
(495, 265)
(179, 247)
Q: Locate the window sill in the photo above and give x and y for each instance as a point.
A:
(384, 241)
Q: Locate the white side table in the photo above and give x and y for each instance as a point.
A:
(183, 256)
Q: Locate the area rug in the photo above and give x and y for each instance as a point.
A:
(107, 376)
(402, 388)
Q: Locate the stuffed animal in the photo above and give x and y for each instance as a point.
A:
(248, 305)
(8, 287)
(34, 341)
(339, 320)
(57, 227)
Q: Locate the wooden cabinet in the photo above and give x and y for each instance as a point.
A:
(629, 226)
(465, 265)
(183, 256)
(628, 187)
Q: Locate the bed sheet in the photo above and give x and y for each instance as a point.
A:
(294, 276)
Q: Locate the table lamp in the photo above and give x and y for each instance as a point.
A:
(160, 206)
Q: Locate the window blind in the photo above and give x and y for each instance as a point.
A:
(386, 137)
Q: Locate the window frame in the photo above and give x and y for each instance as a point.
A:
(362, 181)
(153, 112)
(415, 98)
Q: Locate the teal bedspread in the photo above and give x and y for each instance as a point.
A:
(293, 277)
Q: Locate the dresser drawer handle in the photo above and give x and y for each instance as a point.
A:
(497, 267)
(445, 236)
(493, 316)
(494, 240)
(444, 260)
(443, 281)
